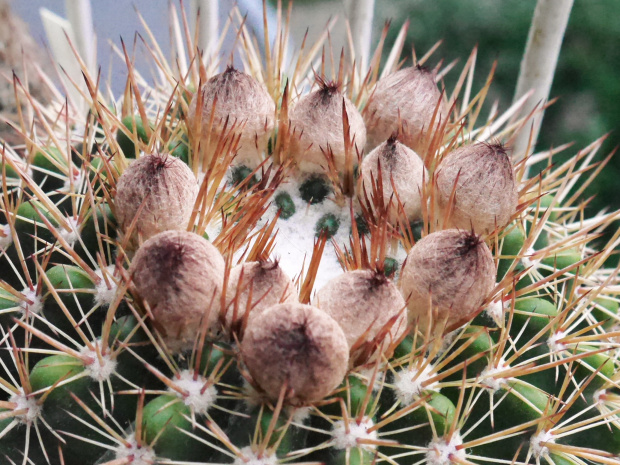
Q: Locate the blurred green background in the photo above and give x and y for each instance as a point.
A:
(587, 79)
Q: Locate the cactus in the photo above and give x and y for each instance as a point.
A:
(295, 304)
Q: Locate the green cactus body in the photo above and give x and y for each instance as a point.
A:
(166, 422)
(75, 290)
(113, 362)
(134, 125)
(511, 246)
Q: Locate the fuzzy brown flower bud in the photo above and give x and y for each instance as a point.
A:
(161, 189)
(366, 305)
(317, 129)
(408, 97)
(401, 168)
(299, 345)
(256, 286)
(180, 276)
(446, 278)
(237, 99)
(485, 193)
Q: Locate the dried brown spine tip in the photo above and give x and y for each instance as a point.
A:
(328, 87)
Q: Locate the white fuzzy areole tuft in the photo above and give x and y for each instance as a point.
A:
(367, 373)
(103, 294)
(138, 455)
(301, 414)
(102, 366)
(341, 439)
(528, 261)
(553, 343)
(488, 378)
(496, 309)
(24, 402)
(76, 181)
(33, 302)
(441, 452)
(249, 457)
(73, 234)
(199, 398)
(408, 383)
(598, 397)
(251, 397)
(536, 443)
(6, 238)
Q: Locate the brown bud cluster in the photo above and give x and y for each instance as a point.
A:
(402, 178)
(235, 98)
(366, 305)
(179, 275)
(297, 345)
(317, 129)
(408, 98)
(446, 278)
(482, 179)
(160, 190)
(254, 287)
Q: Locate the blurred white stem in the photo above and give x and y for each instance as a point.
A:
(80, 16)
(360, 15)
(538, 65)
(59, 32)
(207, 25)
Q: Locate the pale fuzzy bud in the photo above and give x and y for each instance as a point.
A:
(162, 189)
(446, 277)
(244, 102)
(317, 129)
(401, 168)
(485, 193)
(265, 281)
(299, 345)
(364, 302)
(410, 97)
(180, 276)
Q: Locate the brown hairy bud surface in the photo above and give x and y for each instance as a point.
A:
(256, 286)
(161, 189)
(485, 193)
(446, 278)
(317, 129)
(410, 97)
(180, 276)
(299, 345)
(401, 168)
(364, 303)
(235, 98)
